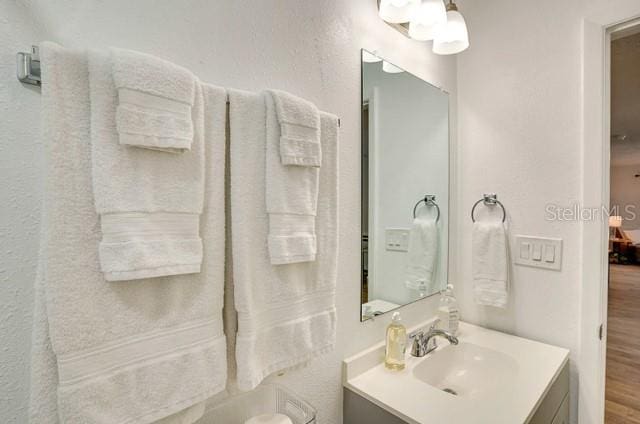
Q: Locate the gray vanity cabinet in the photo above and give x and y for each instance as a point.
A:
(553, 408)
(358, 410)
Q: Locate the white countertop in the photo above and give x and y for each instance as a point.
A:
(404, 395)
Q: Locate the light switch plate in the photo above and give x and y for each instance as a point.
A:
(396, 239)
(545, 253)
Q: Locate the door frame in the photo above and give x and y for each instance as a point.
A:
(597, 29)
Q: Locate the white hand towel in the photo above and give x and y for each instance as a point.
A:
(155, 100)
(121, 353)
(299, 122)
(149, 202)
(286, 315)
(422, 254)
(291, 197)
(489, 263)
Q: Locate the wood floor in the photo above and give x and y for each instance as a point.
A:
(623, 346)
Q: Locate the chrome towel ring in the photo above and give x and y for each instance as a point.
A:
(489, 200)
(429, 200)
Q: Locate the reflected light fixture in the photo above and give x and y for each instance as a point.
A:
(370, 57)
(396, 11)
(454, 36)
(427, 19)
(390, 68)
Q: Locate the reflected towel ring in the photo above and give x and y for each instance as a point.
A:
(429, 200)
(489, 200)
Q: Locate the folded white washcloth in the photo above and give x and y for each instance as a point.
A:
(155, 99)
(490, 263)
(286, 315)
(299, 121)
(118, 353)
(422, 254)
(291, 197)
(149, 202)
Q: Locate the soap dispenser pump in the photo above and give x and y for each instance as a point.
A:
(396, 344)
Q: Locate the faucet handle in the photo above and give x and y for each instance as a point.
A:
(434, 325)
(417, 347)
(416, 335)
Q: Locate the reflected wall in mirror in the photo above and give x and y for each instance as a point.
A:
(405, 168)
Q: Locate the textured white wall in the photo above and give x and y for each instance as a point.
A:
(520, 135)
(21, 161)
(311, 48)
(519, 131)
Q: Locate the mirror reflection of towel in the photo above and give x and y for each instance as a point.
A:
(422, 255)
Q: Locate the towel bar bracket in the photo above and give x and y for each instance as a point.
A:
(28, 67)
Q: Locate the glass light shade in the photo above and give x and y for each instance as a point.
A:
(396, 11)
(615, 221)
(453, 37)
(427, 20)
(390, 68)
(370, 57)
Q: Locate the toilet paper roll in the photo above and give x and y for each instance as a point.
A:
(269, 419)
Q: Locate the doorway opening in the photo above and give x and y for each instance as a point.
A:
(622, 382)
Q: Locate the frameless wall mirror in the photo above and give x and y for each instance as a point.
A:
(405, 187)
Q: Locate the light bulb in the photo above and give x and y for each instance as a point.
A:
(427, 19)
(396, 11)
(391, 68)
(453, 37)
(370, 57)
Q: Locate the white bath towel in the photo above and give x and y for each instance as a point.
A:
(291, 196)
(490, 263)
(118, 353)
(299, 124)
(422, 255)
(149, 202)
(155, 100)
(286, 315)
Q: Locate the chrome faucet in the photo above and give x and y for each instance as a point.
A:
(426, 343)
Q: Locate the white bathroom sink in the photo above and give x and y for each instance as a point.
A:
(489, 377)
(467, 370)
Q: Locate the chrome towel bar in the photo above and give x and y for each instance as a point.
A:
(28, 69)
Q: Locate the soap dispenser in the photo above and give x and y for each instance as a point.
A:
(396, 344)
(448, 311)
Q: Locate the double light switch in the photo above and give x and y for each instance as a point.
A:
(396, 239)
(539, 252)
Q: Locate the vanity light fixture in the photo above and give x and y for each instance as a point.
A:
(390, 68)
(396, 11)
(425, 20)
(454, 36)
